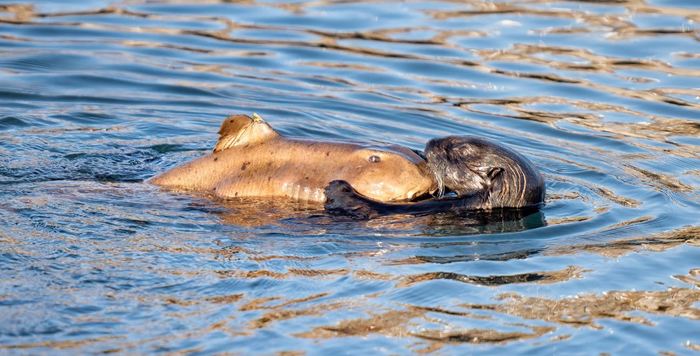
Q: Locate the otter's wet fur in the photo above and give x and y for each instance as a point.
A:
(251, 159)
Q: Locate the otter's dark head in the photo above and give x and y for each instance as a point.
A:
(470, 165)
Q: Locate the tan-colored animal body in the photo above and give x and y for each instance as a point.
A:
(253, 160)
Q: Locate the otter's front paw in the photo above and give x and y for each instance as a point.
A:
(342, 199)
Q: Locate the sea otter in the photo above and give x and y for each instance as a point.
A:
(454, 173)
(480, 175)
(251, 159)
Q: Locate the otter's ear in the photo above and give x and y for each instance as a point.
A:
(494, 172)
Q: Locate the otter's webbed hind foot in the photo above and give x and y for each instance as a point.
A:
(342, 199)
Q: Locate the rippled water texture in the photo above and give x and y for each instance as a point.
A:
(95, 97)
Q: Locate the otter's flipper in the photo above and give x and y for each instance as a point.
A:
(342, 199)
(239, 130)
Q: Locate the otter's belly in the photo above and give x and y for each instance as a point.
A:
(295, 183)
(289, 190)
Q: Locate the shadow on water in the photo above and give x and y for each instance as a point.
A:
(298, 216)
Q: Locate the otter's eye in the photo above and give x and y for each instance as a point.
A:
(374, 159)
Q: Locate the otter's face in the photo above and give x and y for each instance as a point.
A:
(470, 165)
(390, 174)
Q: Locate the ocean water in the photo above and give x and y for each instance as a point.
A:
(98, 96)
